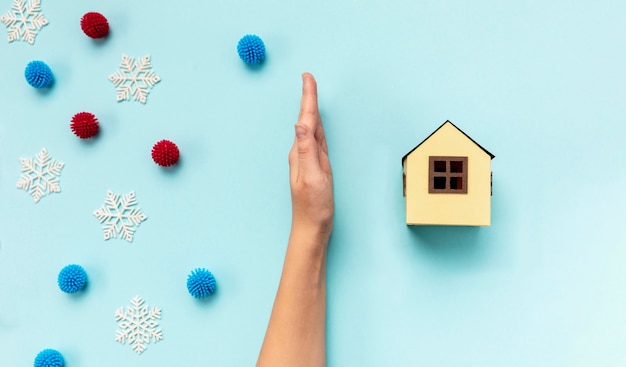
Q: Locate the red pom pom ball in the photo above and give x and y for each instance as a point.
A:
(85, 125)
(95, 25)
(165, 153)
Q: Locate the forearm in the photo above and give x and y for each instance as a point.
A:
(296, 332)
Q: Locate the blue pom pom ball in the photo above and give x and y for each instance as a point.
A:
(49, 358)
(72, 278)
(251, 49)
(201, 283)
(38, 74)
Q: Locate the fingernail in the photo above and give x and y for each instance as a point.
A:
(300, 131)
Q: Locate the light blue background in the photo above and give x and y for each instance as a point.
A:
(539, 84)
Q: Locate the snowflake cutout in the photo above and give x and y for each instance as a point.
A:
(40, 175)
(24, 20)
(135, 78)
(120, 216)
(138, 325)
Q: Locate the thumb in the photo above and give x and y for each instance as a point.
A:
(308, 158)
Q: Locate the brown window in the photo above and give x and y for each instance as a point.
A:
(447, 175)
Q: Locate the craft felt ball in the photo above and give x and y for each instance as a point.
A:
(95, 25)
(72, 278)
(165, 153)
(84, 125)
(201, 283)
(49, 358)
(251, 49)
(38, 74)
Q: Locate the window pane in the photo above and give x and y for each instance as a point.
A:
(456, 183)
(440, 166)
(456, 166)
(440, 183)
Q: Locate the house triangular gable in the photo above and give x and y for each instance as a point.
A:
(434, 132)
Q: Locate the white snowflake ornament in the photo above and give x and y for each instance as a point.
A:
(24, 20)
(40, 175)
(120, 216)
(134, 78)
(138, 325)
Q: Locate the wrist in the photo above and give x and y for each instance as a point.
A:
(316, 231)
(310, 236)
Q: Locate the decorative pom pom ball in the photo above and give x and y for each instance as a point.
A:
(95, 25)
(38, 74)
(165, 153)
(85, 125)
(251, 49)
(201, 283)
(49, 358)
(72, 278)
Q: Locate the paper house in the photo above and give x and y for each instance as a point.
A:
(447, 180)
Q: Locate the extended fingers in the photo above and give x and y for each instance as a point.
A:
(310, 151)
(309, 112)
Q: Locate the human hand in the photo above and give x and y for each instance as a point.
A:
(310, 175)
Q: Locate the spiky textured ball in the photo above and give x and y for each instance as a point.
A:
(94, 24)
(85, 125)
(251, 49)
(38, 74)
(72, 278)
(49, 358)
(201, 283)
(165, 153)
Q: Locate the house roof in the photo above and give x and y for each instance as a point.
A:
(433, 133)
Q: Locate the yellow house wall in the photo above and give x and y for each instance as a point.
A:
(471, 209)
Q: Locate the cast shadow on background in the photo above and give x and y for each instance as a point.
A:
(455, 247)
(461, 247)
(172, 171)
(208, 303)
